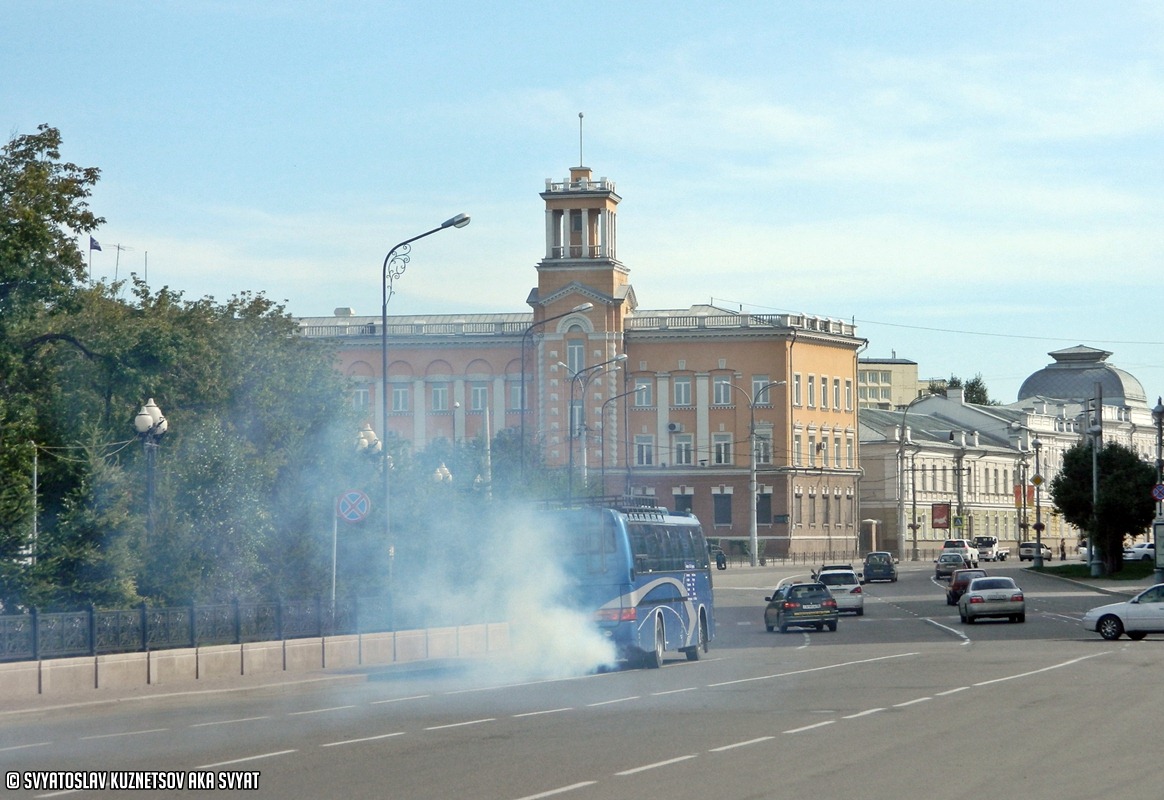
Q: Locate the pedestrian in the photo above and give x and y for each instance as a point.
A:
(1062, 549)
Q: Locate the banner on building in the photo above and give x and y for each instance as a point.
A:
(940, 516)
(1018, 496)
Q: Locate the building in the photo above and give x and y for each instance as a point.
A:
(982, 459)
(747, 420)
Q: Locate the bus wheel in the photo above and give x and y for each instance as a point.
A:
(654, 659)
(693, 653)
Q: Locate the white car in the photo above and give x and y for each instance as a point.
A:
(1138, 617)
(845, 587)
(992, 596)
(1028, 551)
(1140, 551)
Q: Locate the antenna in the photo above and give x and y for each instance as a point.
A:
(580, 161)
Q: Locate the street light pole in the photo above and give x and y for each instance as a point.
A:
(521, 391)
(1158, 525)
(151, 426)
(588, 373)
(1037, 480)
(901, 486)
(394, 265)
(602, 441)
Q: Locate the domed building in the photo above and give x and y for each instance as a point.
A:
(1075, 372)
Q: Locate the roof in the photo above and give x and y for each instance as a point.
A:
(1073, 374)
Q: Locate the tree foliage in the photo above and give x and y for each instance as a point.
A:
(973, 390)
(1124, 505)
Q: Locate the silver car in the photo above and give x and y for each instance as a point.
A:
(845, 586)
(992, 596)
(1138, 617)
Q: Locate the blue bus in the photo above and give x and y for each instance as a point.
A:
(646, 574)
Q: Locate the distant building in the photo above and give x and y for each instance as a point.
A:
(888, 383)
(675, 420)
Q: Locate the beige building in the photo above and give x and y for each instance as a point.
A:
(670, 404)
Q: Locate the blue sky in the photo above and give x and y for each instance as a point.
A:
(974, 184)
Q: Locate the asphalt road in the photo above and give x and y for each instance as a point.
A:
(903, 702)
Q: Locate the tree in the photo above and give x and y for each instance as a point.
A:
(1124, 506)
(973, 390)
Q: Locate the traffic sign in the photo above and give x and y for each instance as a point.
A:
(1158, 491)
(352, 506)
(1037, 479)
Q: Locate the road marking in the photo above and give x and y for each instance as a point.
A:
(246, 758)
(810, 669)
(536, 713)
(400, 699)
(864, 713)
(740, 744)
(364, 739)
(317, 710)
(952, 691)
(226, 721)
(913, 702)
(461, 724)
(24, 746)
(674, 691)
(1038, 671)
(562, 790)
(810, 727)
(608, 702)
(656, 765)
(125, 733)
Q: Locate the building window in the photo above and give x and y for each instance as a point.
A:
(644, 392)
(797, 510)
(721, 391)
(837, 452)
(761, 391)
(812, 391)
(575, 355)
(812, 510)
(478, 397)
(440, 397)
(683, 391)
(797, 449)
(684, 452)
(812, 450)
(824, 392)
(644, 451)
(399, 398)
(722, 505)
(721, 444)
(827, 517)
(682, 502)
(763, 449)
(517, 397)
(361, 399)
(849, 452)
(796, 389)
(764, 509)
(848, 395)
(836, 394)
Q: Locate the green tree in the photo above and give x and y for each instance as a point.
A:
(1124, 504)
(973, 390)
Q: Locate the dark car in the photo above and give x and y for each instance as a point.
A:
(880, 566)
(801, 605)
(959, 580)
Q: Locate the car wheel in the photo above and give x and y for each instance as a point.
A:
(1110, 628)
(654, 658)
(693, 653)
(860, 612)
(1137, 636)
(770, 628)
(968, 619)
(784, 629)
(819, 627)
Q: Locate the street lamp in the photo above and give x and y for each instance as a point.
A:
(1037, 480)
(582, 377)
(913, 526)
(394, 265)
(151, 426)
(1158, 525)
(602, 415)
(521, 391)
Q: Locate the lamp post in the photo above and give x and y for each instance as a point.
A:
(582, 377)
(605, 403)
(1037, 480)
(367, 444)
(1158, 525)
(394, 265)
(151, 426)
(521, 391)
(913, 526)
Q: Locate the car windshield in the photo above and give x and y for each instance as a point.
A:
(979, 584)
(837, 578)
(815, 592)
(877, 559)
(951, 557)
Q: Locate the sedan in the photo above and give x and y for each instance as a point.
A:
(946, 564)
(1138, 617)
(992, 596)
(801, 605)
(1141, 551)
(846, 589)
(958, 583)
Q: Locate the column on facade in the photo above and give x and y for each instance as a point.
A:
(419, 432)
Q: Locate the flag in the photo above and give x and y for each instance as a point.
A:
(94, 244)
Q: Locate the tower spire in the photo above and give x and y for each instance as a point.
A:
(580, 161)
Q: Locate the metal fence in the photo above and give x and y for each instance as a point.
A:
(36, 635)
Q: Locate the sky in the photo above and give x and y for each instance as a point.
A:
(973, 184)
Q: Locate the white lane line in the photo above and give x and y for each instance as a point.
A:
(561, 790)
(363, 739)
(864, 713)
(460, 724)
(24, 746)
(246, 758)
(1044, 669)
(400, 699)
(608, 702)
(810, 669)
(317, 711)
(740, 744)
(125, 733)
(912, 702)
(952, 691)
(811, 727)
(538, 713)
(946, 628)
(227, 721)
(656, 765)
(674, 691)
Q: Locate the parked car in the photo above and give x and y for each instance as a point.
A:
(846, 589)
(992, 596)
(963, 547)
(1137, 617)
(1028, 551)
(880, 565)
(801, 605)
(947, 562)
(1140, 551)
(959, 580)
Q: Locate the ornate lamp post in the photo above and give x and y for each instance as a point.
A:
(1037, 480)
(521, 391)
(913, 526)
(394, 265)
(1158, 525)
(151, 426)
(582, 377)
